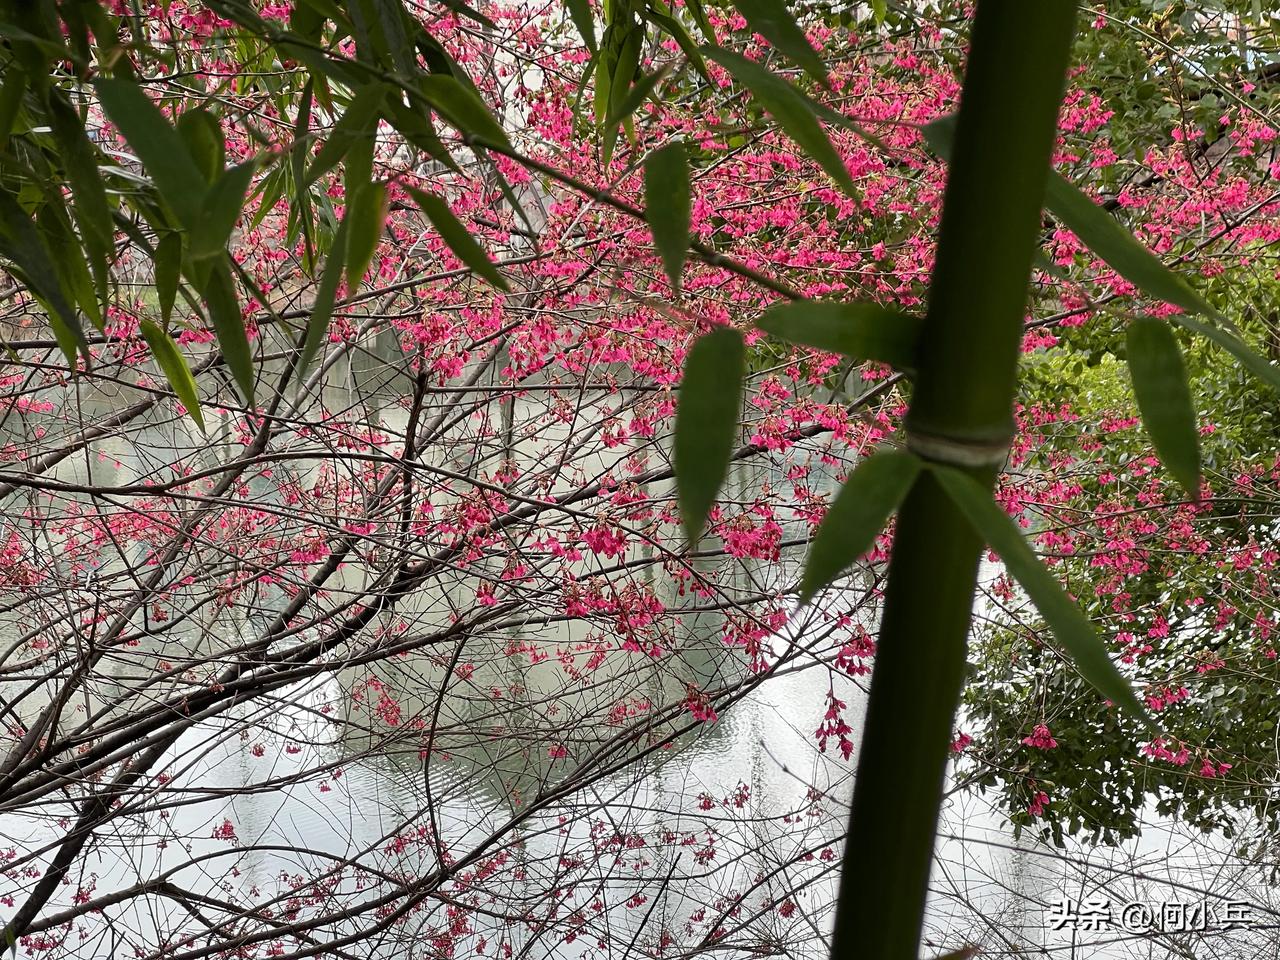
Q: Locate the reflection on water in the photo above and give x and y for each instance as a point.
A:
(545, 770)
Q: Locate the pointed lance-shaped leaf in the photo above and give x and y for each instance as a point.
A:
(699, 14)
(81, 163)
(635, 96)
(11, 93)
(220, 211)
(871, 494)
(219, 291)
(174, 366)
(358, 122)
(863, 331)
(1098, 230)
(27, 247)
(1261, 368)
(201, 132)
(707, 423)
(367, 213)
(462, 108)
(457, 238)
(157, 145)
(1108, 238)
(667, 205)
(676, 30)
(168, 269)
(470, 12)
(772, 20)
(68, 258)
(1073, 630)
(790, 109)
(322, 306)
(1164, 399)
(580, 13)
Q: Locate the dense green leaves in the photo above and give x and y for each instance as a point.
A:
(861, 509)
(1267, 372)
(1164, 399)
(863, 331)
(667, 205)
(1069, 625)
(707, 423)
(175, 369)
(322, 306)
(790, 109)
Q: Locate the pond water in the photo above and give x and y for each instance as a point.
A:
(318, 797)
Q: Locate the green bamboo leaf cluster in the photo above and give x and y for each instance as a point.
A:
(186, 164)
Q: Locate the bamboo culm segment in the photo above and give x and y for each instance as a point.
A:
(961, 413)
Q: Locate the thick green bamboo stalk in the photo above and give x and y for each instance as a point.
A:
(961, 414)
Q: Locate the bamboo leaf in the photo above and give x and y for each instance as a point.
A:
(863, 331)
(357, 122)
(15, 85)
(772, 20)
(81, 163)
(699, 13)
(322, 306)
(202, 134)
(871, 494)
(1110, 240)
(1060, 612)
(1265, 371)
(470, 12)
(68, 259)
(681, 36)
(175, 369)
(1106, 237)
(790, 109)
(580, 13)
(220, 211)
(667, 205)
(463, 108)
(707, 422)
(219, 292)
(168, 267)
(1098, 230)
(156, 143)
(26, 246)
(367, 213)
(457, 238)
(1164, 399)
(636, 96)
